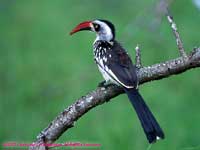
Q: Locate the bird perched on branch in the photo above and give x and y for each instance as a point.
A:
(116, 67)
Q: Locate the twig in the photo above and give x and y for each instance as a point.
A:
(179, 42)
(71, 114)
(138, 61)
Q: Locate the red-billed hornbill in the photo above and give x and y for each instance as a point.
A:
(116, 67)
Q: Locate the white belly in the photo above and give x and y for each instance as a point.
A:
(106, 76)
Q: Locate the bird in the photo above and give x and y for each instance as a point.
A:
(116, 67)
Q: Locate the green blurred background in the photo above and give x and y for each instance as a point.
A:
(43, 70)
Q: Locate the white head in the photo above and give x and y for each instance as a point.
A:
(104, 29)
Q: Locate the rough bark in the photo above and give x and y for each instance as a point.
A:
(67, 118)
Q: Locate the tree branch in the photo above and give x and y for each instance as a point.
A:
(67, 118)
(179, 42)
(71, 114)
(138, 61)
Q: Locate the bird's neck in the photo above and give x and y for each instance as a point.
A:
(104, 39)
(103, 43)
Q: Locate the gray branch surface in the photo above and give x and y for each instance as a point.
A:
(179, 42)
(67, 118)
(138, 61)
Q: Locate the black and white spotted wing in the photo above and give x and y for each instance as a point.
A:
(115, 63)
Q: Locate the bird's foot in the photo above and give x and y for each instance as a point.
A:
(104, 84)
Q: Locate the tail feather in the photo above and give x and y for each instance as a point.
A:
(150, 126)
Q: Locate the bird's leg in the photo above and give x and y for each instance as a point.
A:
(104, 84)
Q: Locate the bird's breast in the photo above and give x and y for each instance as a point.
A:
(101, 52)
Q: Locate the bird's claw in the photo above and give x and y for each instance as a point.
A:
(105, 84)
(102, 84)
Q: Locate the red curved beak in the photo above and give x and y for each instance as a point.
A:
(87, 25)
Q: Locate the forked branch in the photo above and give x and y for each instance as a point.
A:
(71, 114)
(67, 118)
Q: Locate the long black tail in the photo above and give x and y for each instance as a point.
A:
(148, 121)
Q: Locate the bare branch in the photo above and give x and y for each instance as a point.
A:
(179, 42)
(138, 61)
(67, 118)
(71, 114)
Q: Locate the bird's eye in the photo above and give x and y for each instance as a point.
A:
(96, 27)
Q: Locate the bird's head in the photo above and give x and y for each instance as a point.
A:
(104, 29)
